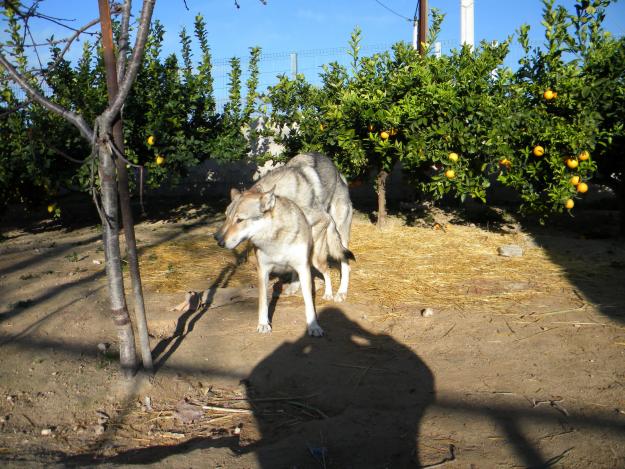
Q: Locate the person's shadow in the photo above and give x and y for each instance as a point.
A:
(353, 399)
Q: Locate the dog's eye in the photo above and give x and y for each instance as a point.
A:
(238, 220)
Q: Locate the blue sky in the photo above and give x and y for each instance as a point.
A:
(319, 29)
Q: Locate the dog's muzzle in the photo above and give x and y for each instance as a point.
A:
(220, 239)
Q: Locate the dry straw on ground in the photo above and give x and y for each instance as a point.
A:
(458, 266)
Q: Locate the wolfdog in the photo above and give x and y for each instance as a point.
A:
(284, 239)
(312, 181)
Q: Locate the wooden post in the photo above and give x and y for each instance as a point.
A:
(423, 25)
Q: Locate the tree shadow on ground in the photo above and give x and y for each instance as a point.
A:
(198, 306)
(590, 252)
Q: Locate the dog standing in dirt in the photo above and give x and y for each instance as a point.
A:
(312, 181)
(284, 239)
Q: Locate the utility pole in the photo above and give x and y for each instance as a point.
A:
(423, 25)
(466, 22)
(294, 65)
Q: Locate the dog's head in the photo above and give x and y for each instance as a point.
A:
(244, 216)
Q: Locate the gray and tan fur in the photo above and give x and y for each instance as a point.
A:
(284, 239)
(312, 181)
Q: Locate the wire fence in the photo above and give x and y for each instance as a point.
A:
(308, 62)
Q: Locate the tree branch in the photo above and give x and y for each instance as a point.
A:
(35, 95)
(122, 58)
(135, 63)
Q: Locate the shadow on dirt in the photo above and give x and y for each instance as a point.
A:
(366, 396)
(186, 322)
(366, 388)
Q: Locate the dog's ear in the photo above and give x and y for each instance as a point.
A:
(234, 194)
(267, 201)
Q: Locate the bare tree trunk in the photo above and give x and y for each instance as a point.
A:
(122, 184)
(110, 230)
(380, 185)
(106, 121)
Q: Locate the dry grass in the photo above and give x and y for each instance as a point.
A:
(400, 265)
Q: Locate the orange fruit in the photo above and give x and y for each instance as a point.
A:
(549, 95)
(574, 180)
(151, 140)
(384, 134)
(450, 174)
(583, 156)
(582, 187)
(569, 204)
(51, 208)
(453, 156)
(320, 126)
(572, 163)
(160, 160)
(538, 151)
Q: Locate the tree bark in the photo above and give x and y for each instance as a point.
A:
(122, 186)
(380, 185)
(110, 234)
(106, 168)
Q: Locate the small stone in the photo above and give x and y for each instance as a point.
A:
(427, 312)
(510, 250)
(46, 432)
(97, 262)
(103, 347)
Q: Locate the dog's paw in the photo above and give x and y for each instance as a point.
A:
(328, 296)
(314, 330)
(264, 328)
(340, 297)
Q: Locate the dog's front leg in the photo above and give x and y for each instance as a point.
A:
(263, 308)
(305, 278)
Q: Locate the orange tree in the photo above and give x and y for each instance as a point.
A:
(398, 106)
(560, 108)
(456, 121)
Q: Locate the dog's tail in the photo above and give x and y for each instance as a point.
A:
(336, 249)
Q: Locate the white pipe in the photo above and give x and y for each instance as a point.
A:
(467, 14)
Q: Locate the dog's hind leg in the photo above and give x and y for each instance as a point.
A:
(305, 278)
(263, 308)
(342, 214)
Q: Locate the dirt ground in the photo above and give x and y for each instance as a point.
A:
(535, 382)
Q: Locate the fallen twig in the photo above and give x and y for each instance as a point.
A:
(305, 406)
(556, 459)
(448, 331)
(553, 403)
(226, 409)
(532, 335)
(265, 399)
